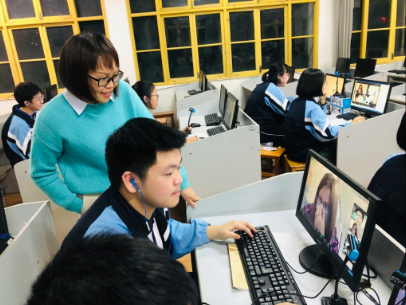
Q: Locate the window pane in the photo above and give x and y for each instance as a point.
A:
(357, 15)
(208, 29)
(57, 36)
(243, 57)
(180, 63)
(272, 52)
(88, 8)
(28, 44)
(377, 44)
(20, 9)
(401, 13)
(146, 33)
(174, 3)
(231, 1)
(204, 2)
(302, 19)
(355, 47)
(150, 65)
(6, 79)
(302, 53)
(96, 26)
(242, 26)
(400, 44)
(142, 6)
(56, 65)
(211, 60)
(36, 72)
(272, 23)
(177, 32)
(54, 7)
(3, 52)
(379, 14)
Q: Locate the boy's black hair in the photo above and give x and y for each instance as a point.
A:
(401, 135)
(80, 55)
(310, 84)
(25, 92)
(274, 70)
(143, 88)
(134, 147)
(113, 270)
(359, 210)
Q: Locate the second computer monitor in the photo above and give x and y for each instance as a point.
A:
(334, 85)
(365, 67)
(222, 100)
(202, 82)
(230, 115)
(49, 93)
(291, 71)
(370, 96)
(343, 65)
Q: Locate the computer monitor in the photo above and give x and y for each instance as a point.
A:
(222, 100)
(398, 296)
(49, 92)
(332, 207)
(365, 67)
(230, 115)
(335, 85)
(202, 82)
(370, 97)
(3, 225)
(291, 71)
(343, 65)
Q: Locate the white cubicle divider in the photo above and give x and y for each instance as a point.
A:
(30, 192)
(362, 148)
(34, 245)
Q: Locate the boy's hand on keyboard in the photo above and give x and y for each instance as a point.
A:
(226, 230)
(358, 119)
(189, 195)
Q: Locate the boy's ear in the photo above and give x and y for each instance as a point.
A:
(128, 184)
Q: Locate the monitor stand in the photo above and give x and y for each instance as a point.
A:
(323, 267)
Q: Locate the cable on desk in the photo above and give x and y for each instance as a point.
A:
(306, 270)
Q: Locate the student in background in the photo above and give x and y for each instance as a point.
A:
(389, 185)
(149, 96)
(17, 131)
(267, 104)
(113, 270)
(72, 130)
(143, 159)
(306, 123)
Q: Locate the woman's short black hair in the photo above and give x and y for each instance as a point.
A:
(310, 83)
(82, 54)
(274, 70)
(25, 92)
(401, 135)
(143, 88)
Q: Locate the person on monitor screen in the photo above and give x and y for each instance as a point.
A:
(306, 123)
(389, 184)
(354, 230)
(267, 104)
(17, 130)
(149, 96)
(324, 211)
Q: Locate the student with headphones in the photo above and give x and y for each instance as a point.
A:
(143, 160)
(17, 130)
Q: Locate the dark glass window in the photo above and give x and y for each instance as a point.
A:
(174, 3)
(242, 26)
(379, 14)
(377, 44)
(20, 9)
(142, 6)
(146, 33)
(6, 79)
(56, 65)
(302, 19)
(57, 37)
(232, 1)
(302, 53)
(211, 60)
(3, 52)
(150, 65)
(355, 47)
(208, 29)
(95, 26)
(177, 31)
(180, 63)
(357, 15)
(86, 8)
(36, 72)
(272, 52)
(204, 2)
(243, 57)
(54, 7)
(272, 23)
(400, 45)
(401, 13)
(28, 44)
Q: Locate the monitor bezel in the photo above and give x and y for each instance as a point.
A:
(291, 71)
(369, 111)
(333, 75)
(225, 101)
(364, 60)
(346, 60)
(234, 120)
(354, 280)
(203, 85)
(395, 290)
(47, 89)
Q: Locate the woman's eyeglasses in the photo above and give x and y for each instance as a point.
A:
(157, 95)
(103, 82)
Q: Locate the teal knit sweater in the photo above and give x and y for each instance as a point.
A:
(77, 144)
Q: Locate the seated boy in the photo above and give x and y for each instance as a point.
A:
(17, 131)
(143, 160)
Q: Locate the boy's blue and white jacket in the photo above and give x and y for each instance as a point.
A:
(16, 135)
(112, 214)
(307, 127)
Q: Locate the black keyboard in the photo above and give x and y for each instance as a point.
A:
(215, 130)
(268, 276)
(212, 119)
(348, 116)
(397, 71)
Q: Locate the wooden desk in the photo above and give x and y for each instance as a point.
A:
(272, 155)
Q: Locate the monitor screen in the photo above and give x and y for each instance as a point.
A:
(335, 84)
(343, 65)
(222, 100)
(291, 71)
(50, 92)
(230, 115)
(203, 81)
(332, 207)
(370, 96)
(365, 67)
(398, 296)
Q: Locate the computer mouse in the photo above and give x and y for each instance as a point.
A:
(193, 125)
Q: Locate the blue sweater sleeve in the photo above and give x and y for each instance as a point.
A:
(317, 123)
(185, 182)
(187, 236)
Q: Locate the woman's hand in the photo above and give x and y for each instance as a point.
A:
(189, 195)
(192, 139)
(319, 220)
(227, 230)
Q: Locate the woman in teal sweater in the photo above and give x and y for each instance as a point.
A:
(72, 129)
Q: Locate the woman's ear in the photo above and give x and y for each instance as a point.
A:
(145, 99)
